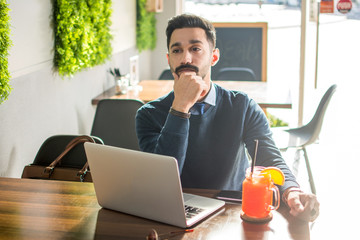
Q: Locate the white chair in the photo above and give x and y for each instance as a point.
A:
(303, 136)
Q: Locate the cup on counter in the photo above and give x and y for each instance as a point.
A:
(121, 84)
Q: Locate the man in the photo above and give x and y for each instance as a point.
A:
(210, 142)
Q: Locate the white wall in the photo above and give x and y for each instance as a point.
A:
(33, 37)
(158, 56)
(41, 103)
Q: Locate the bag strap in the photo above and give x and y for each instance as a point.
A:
(80, 139)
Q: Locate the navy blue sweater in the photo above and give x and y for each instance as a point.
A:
(211, 149)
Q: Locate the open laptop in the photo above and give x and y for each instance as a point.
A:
(145, 185)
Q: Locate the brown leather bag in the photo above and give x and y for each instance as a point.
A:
(57, 172)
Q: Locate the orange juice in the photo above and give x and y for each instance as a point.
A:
(257, 198)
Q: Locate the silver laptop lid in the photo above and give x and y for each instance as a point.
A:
(142, 184)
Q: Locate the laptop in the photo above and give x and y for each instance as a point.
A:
(145, 185)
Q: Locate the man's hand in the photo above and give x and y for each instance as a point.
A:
(303, 205)
(188, 89)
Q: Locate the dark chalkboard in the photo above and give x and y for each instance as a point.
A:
(242, 45)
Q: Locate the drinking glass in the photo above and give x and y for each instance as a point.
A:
(121, 84)
(257, 199)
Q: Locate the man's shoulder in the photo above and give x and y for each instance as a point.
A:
(231, 95)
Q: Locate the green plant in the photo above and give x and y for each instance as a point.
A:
(145, 27)
(276, 122)
(5, 43)
(82, 34)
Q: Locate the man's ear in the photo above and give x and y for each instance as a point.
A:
(167, 56)
(215, 56)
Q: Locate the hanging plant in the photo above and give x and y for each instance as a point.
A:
(145, 27)
(82, 34)
(5, 43)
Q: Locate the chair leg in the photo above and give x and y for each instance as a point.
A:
(311, 180)
(296, 162)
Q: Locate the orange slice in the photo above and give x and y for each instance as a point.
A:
(276, 175)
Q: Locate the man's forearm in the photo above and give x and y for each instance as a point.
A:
(172, 140)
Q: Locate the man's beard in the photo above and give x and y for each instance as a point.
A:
(186, 66)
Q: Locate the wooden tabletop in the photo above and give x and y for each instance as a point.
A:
(45, 209)
(261, 92)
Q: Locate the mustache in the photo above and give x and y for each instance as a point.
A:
(186, 66)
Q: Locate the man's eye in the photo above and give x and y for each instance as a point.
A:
(196, 49)
(175, 51)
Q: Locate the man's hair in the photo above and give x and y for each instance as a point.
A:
(191, 21)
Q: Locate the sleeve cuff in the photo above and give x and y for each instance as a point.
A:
(176, 124)
(287, 191)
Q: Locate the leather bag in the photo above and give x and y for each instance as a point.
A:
(55, 171)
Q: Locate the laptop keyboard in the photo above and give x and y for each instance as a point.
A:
(192, 211)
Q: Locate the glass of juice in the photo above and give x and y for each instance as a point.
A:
(257, 196)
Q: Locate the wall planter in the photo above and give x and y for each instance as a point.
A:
(5, 43)
(145, 27)
(82, 34)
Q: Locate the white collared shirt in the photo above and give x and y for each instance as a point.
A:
(209, 100)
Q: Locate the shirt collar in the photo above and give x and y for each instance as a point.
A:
(211, 96)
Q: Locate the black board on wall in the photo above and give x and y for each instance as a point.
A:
(242, 45)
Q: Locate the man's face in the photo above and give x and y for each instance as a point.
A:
(190, 51)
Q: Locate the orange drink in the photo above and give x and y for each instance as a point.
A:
(257, 198)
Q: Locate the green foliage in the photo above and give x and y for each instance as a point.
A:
(145, 27)
(5, 43)
(276, 122)
(82, 34)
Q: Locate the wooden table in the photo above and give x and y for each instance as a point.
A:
(261, 92)
(45, 209)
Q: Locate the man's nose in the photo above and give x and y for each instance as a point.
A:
(186, 58)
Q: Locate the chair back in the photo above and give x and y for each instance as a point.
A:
(166, 75)
(114, 122)
(235, 74)
(313, 128)
(53, 146)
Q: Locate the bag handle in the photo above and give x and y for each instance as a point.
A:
(80, 139)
